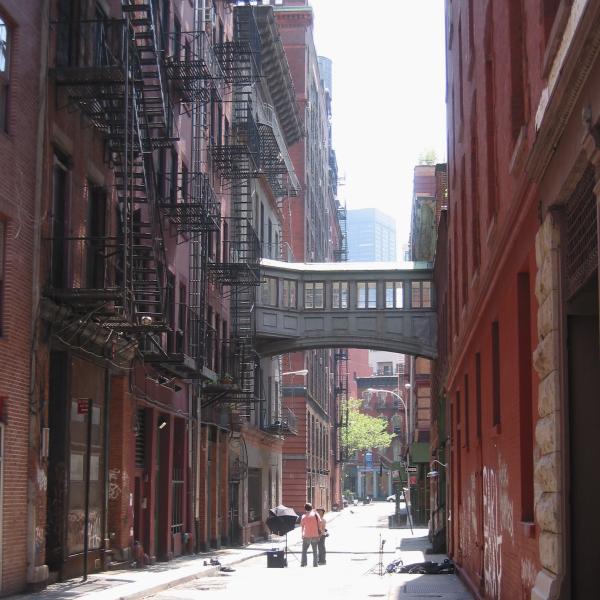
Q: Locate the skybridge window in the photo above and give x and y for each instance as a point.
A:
(420, 294)
(339, 294)
(314, 295)
(289, 293)
(394, 297)
(268, 291)
(367, 294)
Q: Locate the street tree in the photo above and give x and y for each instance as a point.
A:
(364, 432)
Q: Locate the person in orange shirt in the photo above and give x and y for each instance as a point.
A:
(310, 523)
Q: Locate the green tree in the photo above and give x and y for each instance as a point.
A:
(363, 431)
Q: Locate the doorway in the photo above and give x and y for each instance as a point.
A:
(584, 429)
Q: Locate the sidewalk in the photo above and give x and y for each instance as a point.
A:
(411, 549)
(130, 584)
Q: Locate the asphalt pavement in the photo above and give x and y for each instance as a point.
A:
(359, 548)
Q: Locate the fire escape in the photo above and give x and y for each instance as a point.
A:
(115, 71)
(340, 355)
(235, 157)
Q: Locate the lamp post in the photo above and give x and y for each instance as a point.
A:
(407, 496)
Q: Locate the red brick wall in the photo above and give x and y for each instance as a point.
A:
(121, 464)
(17, 189)
(486, 470)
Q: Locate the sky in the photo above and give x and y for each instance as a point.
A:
(388, 96)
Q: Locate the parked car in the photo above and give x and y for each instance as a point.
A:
(392, 498)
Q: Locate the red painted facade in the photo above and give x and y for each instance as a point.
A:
(311, 467)
(519, 307)
(19, 197)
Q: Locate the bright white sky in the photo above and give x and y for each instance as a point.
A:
(388, 96)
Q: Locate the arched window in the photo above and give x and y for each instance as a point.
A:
(4, 66)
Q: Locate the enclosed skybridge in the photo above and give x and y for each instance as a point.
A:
(380, 306)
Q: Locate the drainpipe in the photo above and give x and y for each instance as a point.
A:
(37, 574)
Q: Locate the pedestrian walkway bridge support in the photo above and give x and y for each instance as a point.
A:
(380, 306)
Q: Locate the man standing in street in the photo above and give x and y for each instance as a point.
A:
(310, 523)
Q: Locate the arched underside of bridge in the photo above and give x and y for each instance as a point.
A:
(271, 347)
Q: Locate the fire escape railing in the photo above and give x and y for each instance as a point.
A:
(110, 70)
(283, 424)
(274, 160)
(193, 67)
(190, 203)
(240, 59)
(236, 156)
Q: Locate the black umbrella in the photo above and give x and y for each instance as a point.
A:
(282, 520)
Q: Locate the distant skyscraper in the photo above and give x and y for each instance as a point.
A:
(371, 235)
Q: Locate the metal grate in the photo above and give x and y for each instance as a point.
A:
(178, 494)
(140, 439)
(582, 234)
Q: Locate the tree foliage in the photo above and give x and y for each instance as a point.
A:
(363, 431)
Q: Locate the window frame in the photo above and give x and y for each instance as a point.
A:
(397, 300)
(368, 286)
(340, 296)
(269, 286)
(312, 286)
(418, 286)
(289, 293)
(3, 227)
(5, 75)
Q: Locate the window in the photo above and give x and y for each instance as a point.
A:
(254, 495)
(367, 294)
(289, 293)
(420, 294)
(173, 176)
(495, 374)
(339, 294)
(527, 434)
(268, 291)
(366, 396)
(96, 230)
(184, 182)
(2, 238)
(4, 68)
(394, 297)
(59, 219)
(314, 295)
(381, 398)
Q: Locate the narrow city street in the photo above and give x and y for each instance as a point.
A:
(352, 570)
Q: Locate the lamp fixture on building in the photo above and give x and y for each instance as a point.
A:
(435, 473)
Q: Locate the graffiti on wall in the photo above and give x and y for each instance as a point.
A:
(114, 487)
(498, 524)
(492, 563)
(468, 518)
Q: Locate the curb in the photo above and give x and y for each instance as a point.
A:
(174, 580)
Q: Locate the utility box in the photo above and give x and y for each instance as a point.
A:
(276, 559)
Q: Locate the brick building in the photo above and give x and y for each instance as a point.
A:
(311, 229)
(521, 325)
(21, 127)
(150, 148)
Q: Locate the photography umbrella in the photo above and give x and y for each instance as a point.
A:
(282, 520)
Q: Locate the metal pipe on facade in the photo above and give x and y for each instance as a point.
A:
(36, 574)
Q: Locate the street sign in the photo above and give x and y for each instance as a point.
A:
(83, 405)
(411, 469)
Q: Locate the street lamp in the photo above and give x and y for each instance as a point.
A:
(407, 496)
(399, 397)
(435, 473)
(300, 372)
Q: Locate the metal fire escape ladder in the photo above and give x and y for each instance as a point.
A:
(145, 127)
(341, 402)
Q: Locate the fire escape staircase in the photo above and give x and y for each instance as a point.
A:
(119, 85)
(236, 158)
